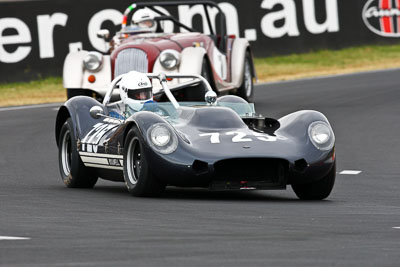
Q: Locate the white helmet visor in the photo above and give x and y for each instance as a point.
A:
(146, 23)
(140, 94)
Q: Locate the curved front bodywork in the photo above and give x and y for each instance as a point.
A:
(216, 148)
(209, 150)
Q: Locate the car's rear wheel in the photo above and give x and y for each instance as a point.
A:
(138, 177)
(73, 171)
(317, 190)
(246, 90)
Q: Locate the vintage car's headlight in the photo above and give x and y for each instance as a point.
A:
(321, 135)
(162, 138)
(93, 61)
(170, 59)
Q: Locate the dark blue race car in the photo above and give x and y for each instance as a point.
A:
(221, 144)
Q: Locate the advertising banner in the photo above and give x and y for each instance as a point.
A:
(35, 36)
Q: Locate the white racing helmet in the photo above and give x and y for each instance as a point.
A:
(135, 89)
(144, 20)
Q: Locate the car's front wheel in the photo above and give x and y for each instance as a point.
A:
(317, 190)
(73, 171)
(138, 177)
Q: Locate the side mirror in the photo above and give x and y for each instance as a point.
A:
(211, 97)
(96, 112)
(104, 34)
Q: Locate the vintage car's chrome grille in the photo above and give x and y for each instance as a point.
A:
(130, 59)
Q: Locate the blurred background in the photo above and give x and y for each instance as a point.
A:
(36, 35)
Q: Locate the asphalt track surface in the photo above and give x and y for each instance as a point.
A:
(355, 226)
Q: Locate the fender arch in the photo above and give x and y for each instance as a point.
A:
(75, 76)
(298, 122)
(77, 109)
(73, 69)
(192, 60)
(239, 49)
(143, 120)
(191, 63)
(62, 116)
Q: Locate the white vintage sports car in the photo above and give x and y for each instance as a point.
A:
(224, 60)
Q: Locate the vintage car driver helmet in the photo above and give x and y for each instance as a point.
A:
(144, 20)
(135, 89)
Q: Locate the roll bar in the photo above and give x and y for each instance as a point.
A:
(162, 77)
(205, 4)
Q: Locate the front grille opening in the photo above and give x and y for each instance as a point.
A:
(251, 169)
(131, 59)
(200, 167)
(300, 165)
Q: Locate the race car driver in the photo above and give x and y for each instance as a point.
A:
(144, 20)
(136, 92)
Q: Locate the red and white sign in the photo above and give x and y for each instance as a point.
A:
(382, 17)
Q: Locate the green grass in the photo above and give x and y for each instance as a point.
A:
(326, 62)
(323, 62)
(23, 93)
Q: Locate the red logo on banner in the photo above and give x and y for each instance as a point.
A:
(382, 17)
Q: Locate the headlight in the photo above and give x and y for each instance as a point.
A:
(162, 138)
(321, 135)
(93, 61)
(170, 59)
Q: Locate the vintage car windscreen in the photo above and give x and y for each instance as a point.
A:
(168, 111)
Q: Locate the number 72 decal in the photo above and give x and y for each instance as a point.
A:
(239, 137)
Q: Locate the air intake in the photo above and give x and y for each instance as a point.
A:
(251, 169)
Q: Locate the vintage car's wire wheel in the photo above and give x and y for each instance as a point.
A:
(138, 177)
(317, 190)
(246, 90)
(73, 171)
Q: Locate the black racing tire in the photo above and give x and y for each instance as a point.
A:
(197, 93)
(317, 190)
(138, 177)
(83, 92)
(77, 92)
(206, 72)
(246, 89)
(73, 172)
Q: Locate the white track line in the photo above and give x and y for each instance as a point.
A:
(31, 107)
(14, 238)
(397, 227)
(349, 172)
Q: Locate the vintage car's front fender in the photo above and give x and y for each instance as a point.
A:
(191, 63)
(239, 49)
(315, 163)
(75, 76)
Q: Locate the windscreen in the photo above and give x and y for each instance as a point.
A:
(168, 111)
